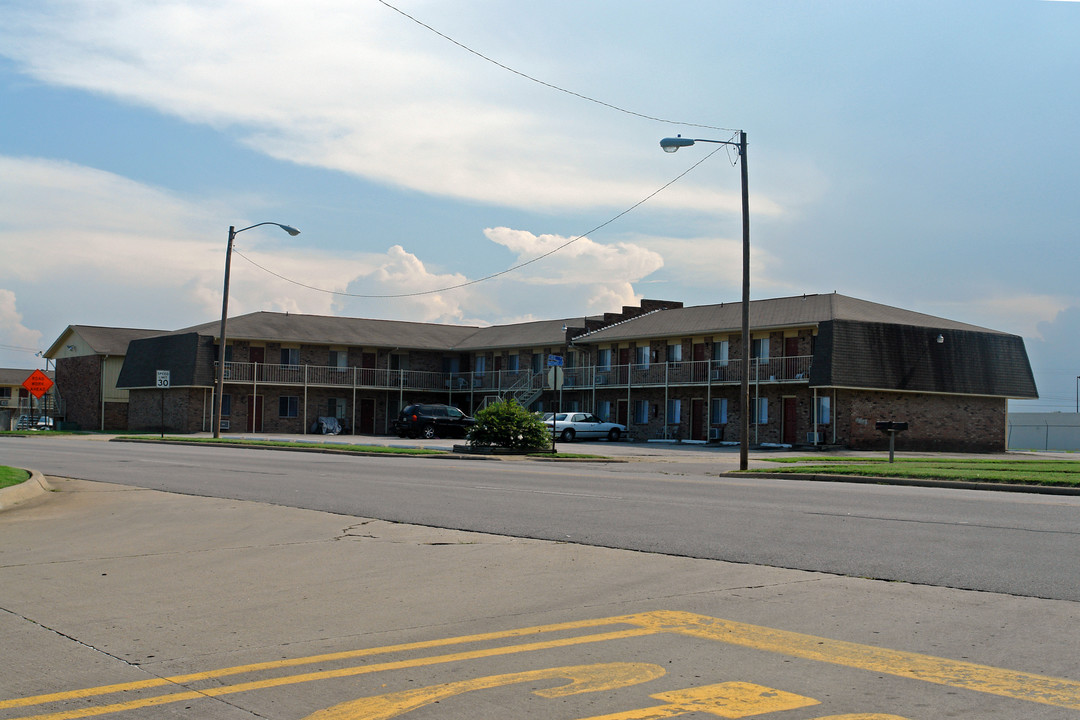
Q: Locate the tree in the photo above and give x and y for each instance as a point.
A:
(507, 424)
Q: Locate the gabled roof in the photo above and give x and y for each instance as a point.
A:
(536, 334)
(101, 340)
(774, 313)
(15, 377)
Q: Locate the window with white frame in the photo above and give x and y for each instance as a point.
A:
(537, 362)
(674, 353)
(288, 406)
(603, 409)
(513, 363)
(603, 359)
(336, 408)
(290, 356)
(824, 410)
(339, 359)
(480, 365)
(674, 411)
(641, 355)
(5, 396)
(226, 404)
(760, 350)
(719, 411)
(720, 350)
(641, 412)
(760, 407)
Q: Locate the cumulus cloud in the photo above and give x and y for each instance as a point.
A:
(338, 85)
(19, 342)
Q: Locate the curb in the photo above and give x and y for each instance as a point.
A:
(36, 485)
(914, 482)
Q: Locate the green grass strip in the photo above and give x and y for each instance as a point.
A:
(12, 476)
(331, 446)
(1022, 472)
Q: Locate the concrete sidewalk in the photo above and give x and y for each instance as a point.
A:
(102, 584)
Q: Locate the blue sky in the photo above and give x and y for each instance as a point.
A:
(919, 154)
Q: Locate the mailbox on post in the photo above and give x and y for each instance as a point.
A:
(891, 427)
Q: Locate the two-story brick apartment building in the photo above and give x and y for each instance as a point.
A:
(824, 369)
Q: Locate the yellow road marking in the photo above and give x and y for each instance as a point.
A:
(980, 678)
(583, 679)
(726, 700)
(942, 671)
(332, 674)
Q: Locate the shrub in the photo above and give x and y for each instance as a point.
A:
(507, 424)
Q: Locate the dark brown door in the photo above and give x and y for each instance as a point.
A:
(255, 413)
(791, 416)
(257, 354)
(622, 412)
(366, 422)
(697, 419)
(791, 351)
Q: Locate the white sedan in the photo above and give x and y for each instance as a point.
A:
(568, 426)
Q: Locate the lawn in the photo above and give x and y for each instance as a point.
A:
(12, 476)
(329, 446)
(1020, 472)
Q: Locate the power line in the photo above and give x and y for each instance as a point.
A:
(551, 86)
(501, 272)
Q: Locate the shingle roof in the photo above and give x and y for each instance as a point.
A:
(773, 313)
(17, 376)
(104, 340)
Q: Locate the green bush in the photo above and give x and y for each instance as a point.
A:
(507, 424)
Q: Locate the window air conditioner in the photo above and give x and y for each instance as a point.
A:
(813, 437)
(716, 373)
(601, 379)
(714, 433)
(224, 424)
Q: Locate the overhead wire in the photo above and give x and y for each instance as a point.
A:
(501, 272)
(550, 252)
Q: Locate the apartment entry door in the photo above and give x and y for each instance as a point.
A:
(697, 419)
(255, 413)
(791, 419)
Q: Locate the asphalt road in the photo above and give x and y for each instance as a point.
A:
(1000, 542)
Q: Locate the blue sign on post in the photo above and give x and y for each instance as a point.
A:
(555, 361)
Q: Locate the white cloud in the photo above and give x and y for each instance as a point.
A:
(19, 342)
(337, 84)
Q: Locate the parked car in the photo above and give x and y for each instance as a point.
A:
(568, 426)
(428, 421)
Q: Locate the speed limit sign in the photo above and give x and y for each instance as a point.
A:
(163, 379)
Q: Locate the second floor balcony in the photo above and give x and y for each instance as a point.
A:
(698, 372)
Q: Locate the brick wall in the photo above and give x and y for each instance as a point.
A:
(942, 423)
(78, 380)
(184, 408)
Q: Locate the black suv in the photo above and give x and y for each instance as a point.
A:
(428, 421)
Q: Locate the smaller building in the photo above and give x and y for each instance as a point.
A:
(88, 360)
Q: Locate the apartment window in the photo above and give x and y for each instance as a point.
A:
(289, 356)
(537, 362)
(824, 410)
(641, 412)
(674, 412)
(718, 412)
(336, 408)
(288, 406)
(674, 353)
(720, 352)
(760, 350)
(480, 364)
(641, 355)
(226, 404)
(603, 409)
(760, 407)
(513, 363)
(5, 396)
(603, 359)
(339, 358)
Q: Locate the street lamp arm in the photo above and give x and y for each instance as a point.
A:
(673, 144)
(287, 228)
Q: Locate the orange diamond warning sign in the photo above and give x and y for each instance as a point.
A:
(38, 384)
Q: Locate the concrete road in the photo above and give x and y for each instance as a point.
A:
(123, 602)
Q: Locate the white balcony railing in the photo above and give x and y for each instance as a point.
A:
(697, 372)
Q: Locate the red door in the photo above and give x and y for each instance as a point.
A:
(791, 415)
(623, 375)
(255, 413)
(257, 354)
(791, 351)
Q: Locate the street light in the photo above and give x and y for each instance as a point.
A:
(233, 232)
(671, 145)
